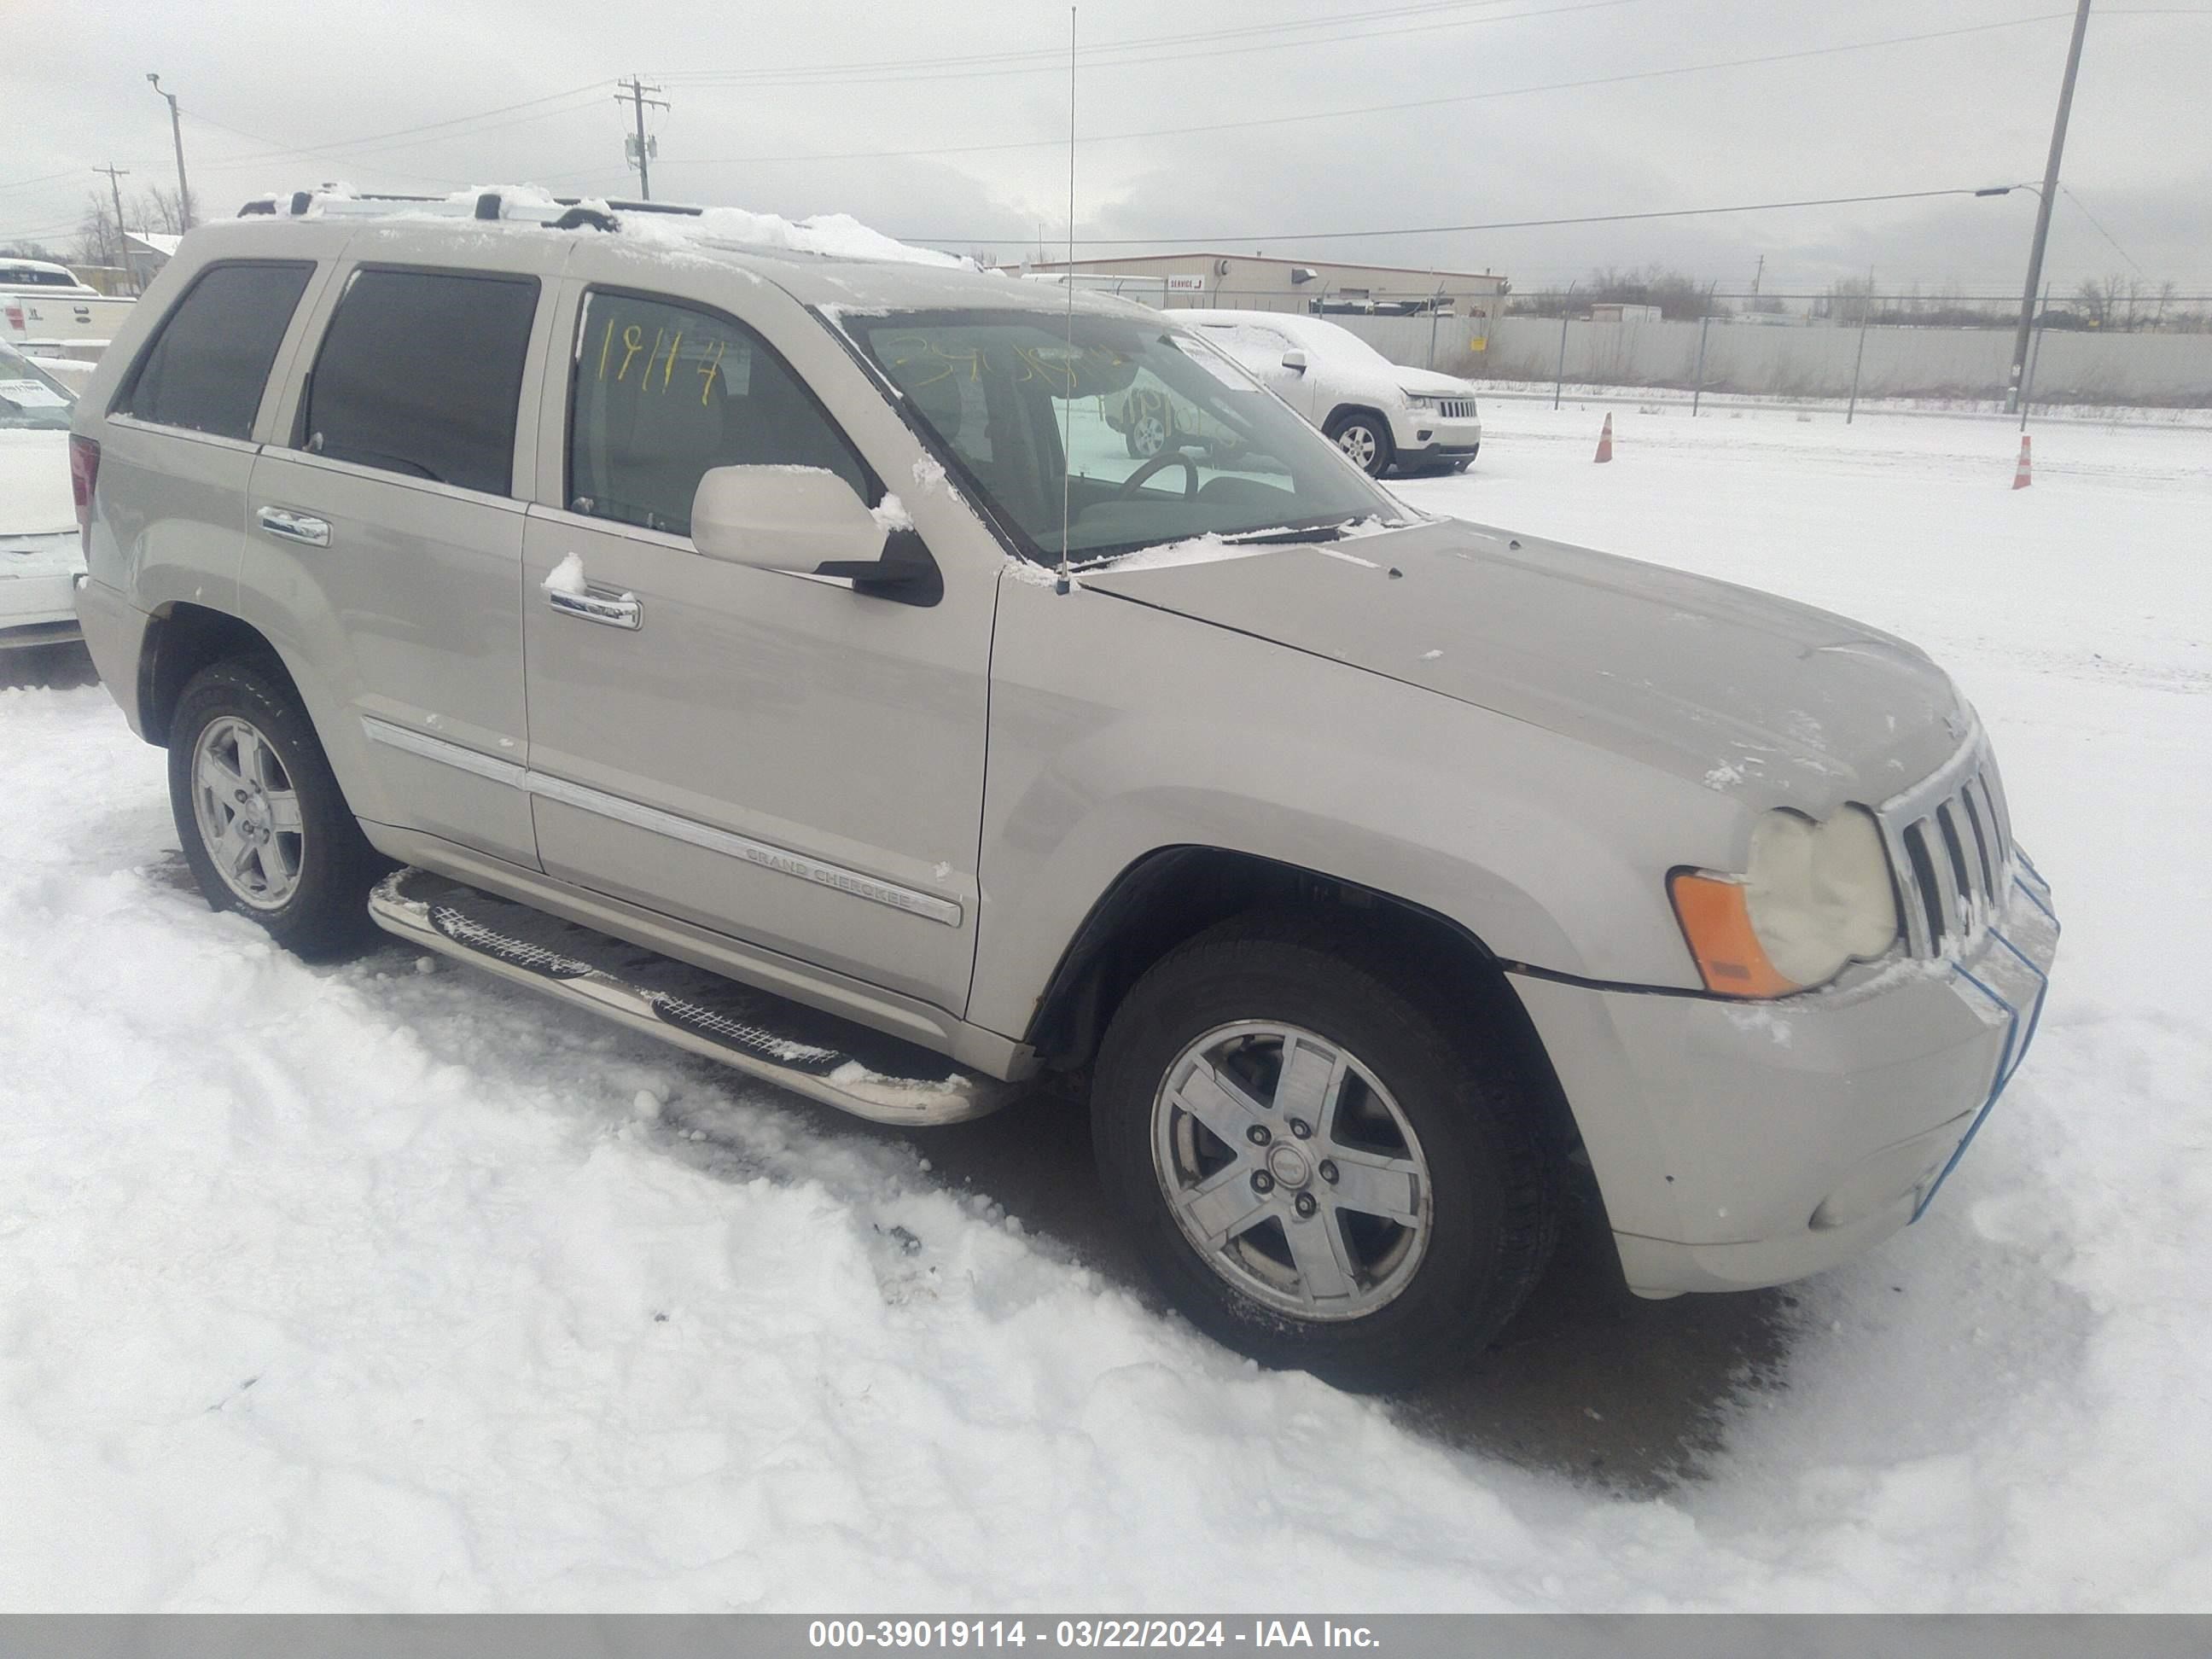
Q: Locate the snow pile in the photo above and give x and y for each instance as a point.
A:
(838, 235)
(568, 576)
(365, 1288)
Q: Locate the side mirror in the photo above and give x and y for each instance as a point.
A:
(1295, 360)
(783, 518)
(808, 520)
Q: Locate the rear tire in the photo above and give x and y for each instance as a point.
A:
(264, 828)
(1388, 1231)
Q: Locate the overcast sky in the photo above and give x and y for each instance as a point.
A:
(753, 117)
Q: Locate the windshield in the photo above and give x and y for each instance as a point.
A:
(1166, 439)
(29, 396)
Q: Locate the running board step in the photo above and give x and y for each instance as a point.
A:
(820, 1055)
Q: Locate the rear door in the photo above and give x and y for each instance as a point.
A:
(177, 445)
(385, 543)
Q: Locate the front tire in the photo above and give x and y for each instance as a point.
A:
(1317, 1165)
(1365, 438)
(264, 828)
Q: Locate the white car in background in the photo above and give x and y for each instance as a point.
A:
(41, 548)
(45, 306)
(1382, 413)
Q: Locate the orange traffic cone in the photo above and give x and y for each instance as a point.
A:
(2020, 478)
(1605, 439)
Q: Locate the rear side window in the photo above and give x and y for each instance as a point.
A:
(205, 370)
(420, 373)
(663, 392)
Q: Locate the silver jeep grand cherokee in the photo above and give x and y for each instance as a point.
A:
(784, 656)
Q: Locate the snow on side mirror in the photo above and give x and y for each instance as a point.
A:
(1295, 359)
(783, 518)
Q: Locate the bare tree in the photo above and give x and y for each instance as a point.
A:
(1852, 301)
(99, 239)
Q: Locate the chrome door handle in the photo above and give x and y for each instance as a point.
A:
(295, 526)
(615, 613)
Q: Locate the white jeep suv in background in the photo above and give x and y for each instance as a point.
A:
(41, 557)
(1382, 413)
(783, 657)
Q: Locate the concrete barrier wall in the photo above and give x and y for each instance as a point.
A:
(1807, 362)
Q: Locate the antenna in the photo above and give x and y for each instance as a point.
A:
(1067, 405)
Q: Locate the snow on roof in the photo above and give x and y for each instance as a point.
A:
(830, 235)
(154, 241)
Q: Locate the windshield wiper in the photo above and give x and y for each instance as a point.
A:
(1316, 532)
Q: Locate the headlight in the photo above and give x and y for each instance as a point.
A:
(1815, 897)
(1416, 401)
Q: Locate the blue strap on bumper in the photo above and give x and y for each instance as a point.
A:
(2017, 1040)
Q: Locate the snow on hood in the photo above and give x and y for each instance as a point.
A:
(1425, 383)
(1742, 692)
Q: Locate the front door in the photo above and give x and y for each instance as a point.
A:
(774, 757)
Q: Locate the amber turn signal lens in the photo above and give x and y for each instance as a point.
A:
(1717, 921)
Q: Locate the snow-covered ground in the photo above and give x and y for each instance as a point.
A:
(370, 1288)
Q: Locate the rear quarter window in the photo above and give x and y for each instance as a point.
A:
(420, 373)
(205, 370)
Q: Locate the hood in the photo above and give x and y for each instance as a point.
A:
(1754, 696)
(1430, 385)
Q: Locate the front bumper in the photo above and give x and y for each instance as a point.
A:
(1423, 438)
(1738, 1144)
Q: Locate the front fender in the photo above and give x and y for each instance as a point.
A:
(1118, 729)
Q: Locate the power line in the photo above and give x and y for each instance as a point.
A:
(43, 178)
(2068, 191)
(427, 127)
(1124, 54)
(1450, 230)
(235, 163)
(1304, 118)
(1051, 55)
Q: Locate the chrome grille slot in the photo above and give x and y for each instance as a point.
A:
(1981, 840)
(1949, 849)
(1457, 409)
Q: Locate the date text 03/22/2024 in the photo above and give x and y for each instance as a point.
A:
(1082, 1633)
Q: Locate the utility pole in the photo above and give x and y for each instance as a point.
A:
(115, 175)
(1757, 275)
(637, 100)
(1566, 308)
(2042, 323)
(1858, 362)
(177, 133)
(2050, 194)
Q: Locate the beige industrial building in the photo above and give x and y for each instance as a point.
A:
(1250, 282)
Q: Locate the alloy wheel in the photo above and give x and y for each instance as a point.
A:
(248, 813)
(1291, 1172)
(1359, 441)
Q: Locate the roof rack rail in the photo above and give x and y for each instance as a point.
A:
(559, 213)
